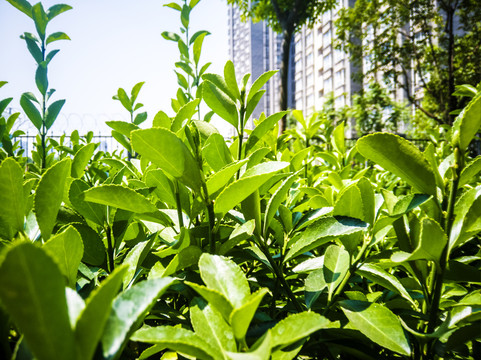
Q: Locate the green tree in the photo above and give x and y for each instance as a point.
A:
(439, 49)
(285, 17)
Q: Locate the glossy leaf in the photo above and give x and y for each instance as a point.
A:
(128, 311)
(222, 177)
(209, 324)
(177, 339)
(216, 152)
(33, 292)
(470, 171)
(263, 128)
(163, 186)
(52, 113)
(41, 79)
(11, 193)
(56, 10)
(221, 103)
(49, 196)
(225, 276)
(66, 248)
(259, 83)
(89, 210)
(57, 36)
(81, 159)
(252, 179)
(22, 5)
(322, 231)
(467, 124)
(231, 80)
(185, 258)
(31, 110)
(94, 248)
(400, 157)
(120, 197)
(378, 324)
(133, 260)
(242, 316)
(336, 266)
(214, 298)
(166, 150)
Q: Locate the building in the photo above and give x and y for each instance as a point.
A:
(255, 48)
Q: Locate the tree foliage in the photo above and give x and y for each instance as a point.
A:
(434, 42)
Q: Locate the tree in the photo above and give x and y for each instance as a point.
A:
(435, 42)
(285, 17)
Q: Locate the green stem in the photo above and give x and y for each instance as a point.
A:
(110, 248)
(179, 204)
(280, 276)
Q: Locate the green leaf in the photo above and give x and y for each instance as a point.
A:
(432, 242)
(225, 276)
(124, 99)
(259, 83)
(350, 203)
(338, 138)
(240, 233)
(336, 266)
(166, 150)
(400, 157)
(242, 316)
(261, 129)
(377, 323)
(174, 6)
(185, 258)
(177, 339)
(66, 248)
(209, 324)
(33, 293)
(298, 326)
(41, 79)
(185, 113)
(184, 15)
(197, 48)
(220, 103)
(230, 79)
(49, 196)
(56, 10)
(93, 318)
(52, 113)
(128, 311)
(120, 197)
(135, 91)
(467, 124)
(31, 110)
(251, 180)
(322, 231)
(34, 49)
(125, 128)
(261, 350)
(470, 171)
(134, 260)
(140, 118)
(252, 104)
(81, 159)
(161, 119)
(22, 5)
(11, 193)
(91, 211)
(214, 298)
(94, 248)
(216, 152)
(380, 276)
(163, 186)
(57, 36)
(314, 286)
(222, 177)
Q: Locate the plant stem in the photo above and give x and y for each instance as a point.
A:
(179, 204)
(279, 275)
(110, 248)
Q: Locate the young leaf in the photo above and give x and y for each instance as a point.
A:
(91, 211)
(57, 36)
(166, 150)
(49, 196)
(218, 101)
(124, 99)
(11, 193)
(323, 230)
(81, 159)
(67, 249)
(33, 292)
(230, 79)
(120, 197)
(400, 157)
(41, 78)
(56, 10)
(216, 152)
(135, 91)
(259, 83)
(261, 129)
(241, 317)
(246, 185)
(222, 177)
(128, 311)
(31, 110)
(377, 323)
(22, 5)
(214, 298)
(225, 276)
(198, 47)
(52, 113)
(467, 124)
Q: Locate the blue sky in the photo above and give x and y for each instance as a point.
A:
(115, 43)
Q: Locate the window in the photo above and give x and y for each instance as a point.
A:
(340, 101)
(298, 84)
(309, 59)
(338, 55)
(340, 77)
(309, 38)
(310, 101)
(326, 38)
(310, 80)
(298, 65)
(327, 61)
(328, 85)
(299, 103)
(326, 17)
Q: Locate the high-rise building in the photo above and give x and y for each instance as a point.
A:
(255, 48)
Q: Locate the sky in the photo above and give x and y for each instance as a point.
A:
(115, 43)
